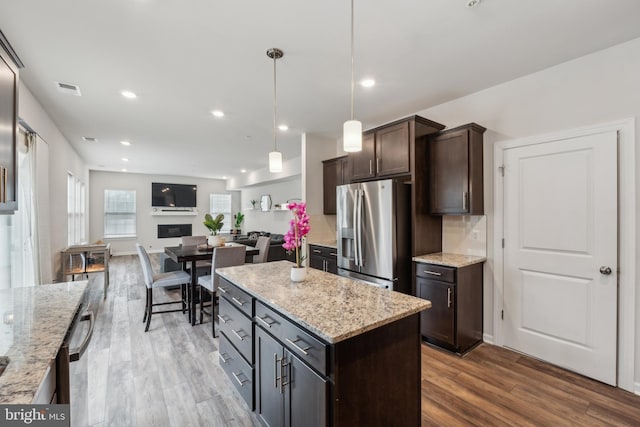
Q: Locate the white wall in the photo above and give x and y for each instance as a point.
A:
(594, 89)
(62, 158)
(147, 224)
(273, 221)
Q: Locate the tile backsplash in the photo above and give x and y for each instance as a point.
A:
(464, 234)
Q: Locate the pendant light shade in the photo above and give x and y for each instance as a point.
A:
(275, 161)
(352, 129)
(275, 157)
(352, 136)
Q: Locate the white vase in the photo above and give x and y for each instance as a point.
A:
(215, 241)
(298, 274)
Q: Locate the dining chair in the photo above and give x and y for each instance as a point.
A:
(263, 246)
(202, 266)
(224, 256)
(162, 280)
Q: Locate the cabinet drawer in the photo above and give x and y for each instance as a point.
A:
(308, 348)
(237, 328)
(240, 299)
(323, 251)
(239, 371)
(436, 272)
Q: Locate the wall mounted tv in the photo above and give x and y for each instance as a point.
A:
(173, 195)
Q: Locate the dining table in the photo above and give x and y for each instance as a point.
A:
(185, 255)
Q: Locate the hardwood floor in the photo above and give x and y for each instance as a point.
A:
(170, 376)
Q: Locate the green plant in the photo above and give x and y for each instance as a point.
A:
(239, 219)
(213, 224)
(253, 203)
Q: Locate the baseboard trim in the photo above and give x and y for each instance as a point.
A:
(636, 388)
(488, 338)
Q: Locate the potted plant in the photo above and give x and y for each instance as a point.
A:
(299, 228)
(253, 204)
(214, 225)
(236, 227)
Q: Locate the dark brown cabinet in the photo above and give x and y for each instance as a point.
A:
(8, 134)
(334, 172)
(323, 258)
(385, 152)
(361, 162)
(455, 318)
(456, 181)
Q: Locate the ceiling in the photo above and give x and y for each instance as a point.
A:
(185, 61)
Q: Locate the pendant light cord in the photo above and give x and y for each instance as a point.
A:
(275, 104)
(352, 61)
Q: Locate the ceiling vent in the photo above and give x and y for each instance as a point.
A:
(89, 139)
(68, 89)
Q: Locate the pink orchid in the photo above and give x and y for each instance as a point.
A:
(299, 227)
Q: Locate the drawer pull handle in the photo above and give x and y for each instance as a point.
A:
(221, 289)
(222, 358)
(293, 343)
(317, 251)
(237, 301)
(433, 273)
(240, 337)
(264, 322)
(222, 319)
(241, 382)
(333, 254)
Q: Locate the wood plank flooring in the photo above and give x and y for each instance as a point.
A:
(170, 376)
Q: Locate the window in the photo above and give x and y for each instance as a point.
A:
(119, 213)
(75, 210)
(221, 204)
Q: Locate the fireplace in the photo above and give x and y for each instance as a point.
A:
(173, 230)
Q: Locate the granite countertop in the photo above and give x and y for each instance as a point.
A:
(449, 259)
(332, 244)
(333, 307)
(35, 322)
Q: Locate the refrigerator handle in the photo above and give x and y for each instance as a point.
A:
(355, 228)
(359, 226)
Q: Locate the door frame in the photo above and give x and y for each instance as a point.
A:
(626, 237)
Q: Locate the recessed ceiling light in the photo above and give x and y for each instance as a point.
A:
(123, 170)
(124, 159)
(224, 177)
(218, 113)
(125, 143)
(473, 3)
(128, 94)
(283, 127)
(367, 82)
(89, 139)
(243, 171)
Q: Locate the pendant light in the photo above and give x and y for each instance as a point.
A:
(275, 157)
(352, 129)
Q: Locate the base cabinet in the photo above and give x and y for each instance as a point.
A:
(288, 392)
(323, 258)
(454, 321)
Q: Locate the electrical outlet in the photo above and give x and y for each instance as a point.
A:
(475, 234)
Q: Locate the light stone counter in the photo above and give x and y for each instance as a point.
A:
(333, 307)
(332, 244)
(35, 322)
(449, 260)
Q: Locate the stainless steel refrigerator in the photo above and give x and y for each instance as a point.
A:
(373, 233)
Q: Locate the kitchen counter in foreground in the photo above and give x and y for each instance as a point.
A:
(333, 307)
(35, 322)
(449, 259)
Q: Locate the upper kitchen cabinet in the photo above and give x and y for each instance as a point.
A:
(334, 172)
(455, 160)
(8, 134)
(388, 150)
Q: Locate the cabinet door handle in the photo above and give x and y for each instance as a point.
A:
(378, 165)
(275, 371)
(449, 295)
(264, 322)
(237, 301)
(241, 382)
(465, 202)
(293, 343)
(433, 273)
(283, 382)
(370, 167)
(3, 185)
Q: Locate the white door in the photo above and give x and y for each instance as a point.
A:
(560, 256)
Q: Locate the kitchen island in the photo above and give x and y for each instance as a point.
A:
(35, 323)
(327, 351)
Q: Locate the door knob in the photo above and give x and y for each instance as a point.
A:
(605, 270)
